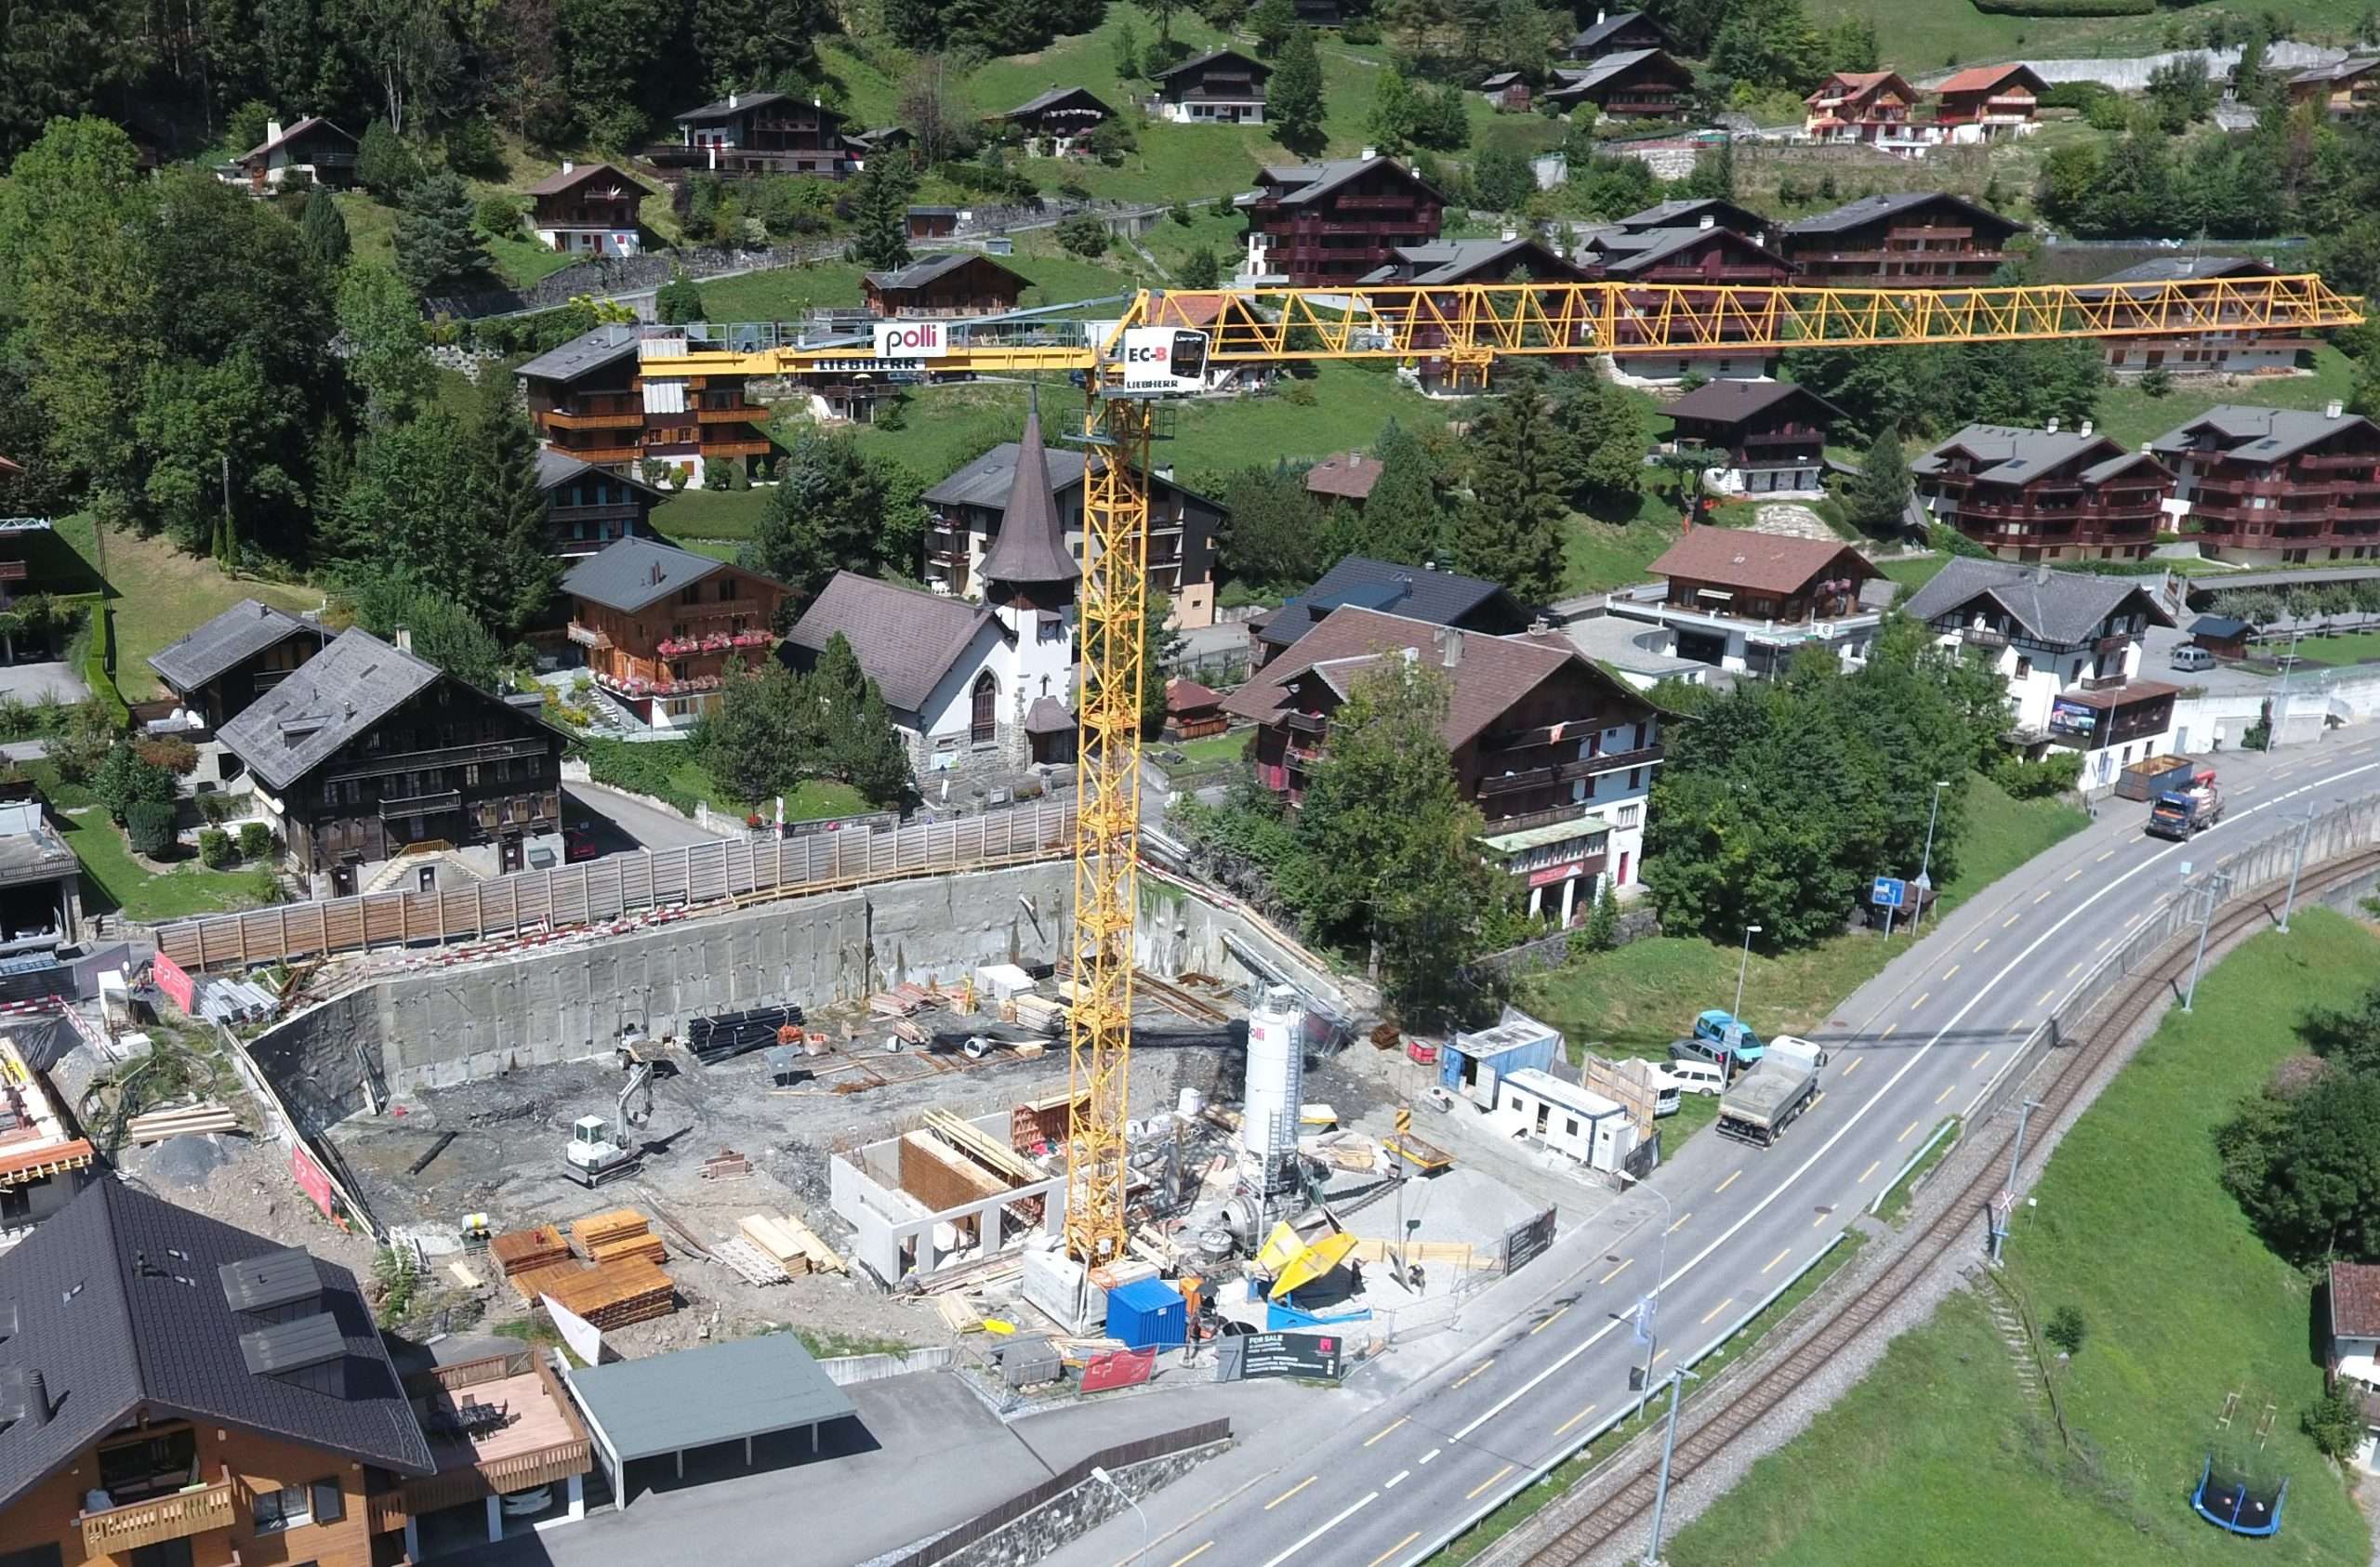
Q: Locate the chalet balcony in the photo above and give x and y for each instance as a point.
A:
(736, 448)
(422, 805)
(743, 413)
(1306, 723)
(714, 643)
(2349, 460)
(451, 756)
(12, 570)
(600, 455)
(1609, 761)
(2100, 683)
(588, 636)
(119, 1532)
(601, 418)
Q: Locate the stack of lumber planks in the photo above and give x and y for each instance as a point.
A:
(156, 1125)
(517, 1251)
(792, 1244)
(540, 1279)
(622, 1232)
(614, 1294)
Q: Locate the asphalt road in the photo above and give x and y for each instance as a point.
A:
(1547, 1353)
(623, 823)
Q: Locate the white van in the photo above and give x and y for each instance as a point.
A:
(1694, 1078)
(2192, 657)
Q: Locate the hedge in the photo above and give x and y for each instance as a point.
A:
(2068, 7)
(98, 662)
(640, 768)
(149, 825)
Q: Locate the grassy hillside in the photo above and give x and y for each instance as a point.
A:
(1929, 34)
(1936, 1450)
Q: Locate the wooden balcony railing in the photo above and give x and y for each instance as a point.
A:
(121, 1531)
(448, 755)
(606, 418)
(422, 805)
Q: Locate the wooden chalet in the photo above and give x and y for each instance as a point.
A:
(962, 282)
(1335, 221)
(746, 134)
(589, 209)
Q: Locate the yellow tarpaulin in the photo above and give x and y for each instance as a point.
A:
(1311, 1263)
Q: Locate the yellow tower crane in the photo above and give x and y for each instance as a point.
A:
(1150, 350)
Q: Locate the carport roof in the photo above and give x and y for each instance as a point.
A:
(713, 1393)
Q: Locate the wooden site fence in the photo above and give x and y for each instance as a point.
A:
(618, 886)
(985, 1523)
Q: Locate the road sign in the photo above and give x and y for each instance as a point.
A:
(1404, 1122)
(1643, 1316)
(1890, 892)
(1924, 882)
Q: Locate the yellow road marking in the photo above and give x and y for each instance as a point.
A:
(1395, 1548)
(1615, 1272)
(1889, 1031)
(2105, 946)
(1945, 1094)
(2005, 924)
(1814, 1101)
(1855, 1066)
(1472, 1372)
(2076, 969)
(1659, 1358)
(1726, 1183)
(2130, 920)
(2071, 875)
(1574, 1419)
(2044, 897)
(1820, 1219)
(1904, 1136)
(1950, 970)
(1719, 1308)
(1290, 1492)
(1866, 1173)
(1779, 1257)
(1921, 1000)
(1400, 1420)
(2104, 857)
(1195, 1555)
(1681, 1222)
(2044, 997)
(1980, 1060)
(1533, 1333)
(1484, 1484)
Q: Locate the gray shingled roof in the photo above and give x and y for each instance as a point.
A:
(589, 350)
(709, 1394)
(905, 638)
(571, 178)
(557, 466)
(1456, 261)
(1729, 401)
(721, 108)
(310, 122)
(118, 1307)
(1408, 592)
(2262, 435)
(241, 632)
(1576, 82)
(1313, 181)
(1633, 252)
(1867, 209)
(1587, 38)
(1688, 212)
(2177, 269)
(2337, 71)
(1054, 97)
(627, 574)
(1257, 67)
(926, 269)
(2060, 608)
(330, 699)
(2012, 454)
(1031, 544)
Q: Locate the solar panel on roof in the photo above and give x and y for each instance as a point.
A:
(286, 1347)
(278, 1278)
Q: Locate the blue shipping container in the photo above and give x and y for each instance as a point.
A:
(1148, 1314)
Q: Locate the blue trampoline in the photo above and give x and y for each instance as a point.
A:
(2230, 1500)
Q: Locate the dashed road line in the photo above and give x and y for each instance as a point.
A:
(1726, 1183)
(1358, 1505)
(1921, 999)
(1856, 1061)
(1397, 1546)
(1563, 1430)
(1979, 1060)
(1533, 1333)
(1938, 1099)
(1716, 1310)
(1432, 1453)
(1616, 1272)
(1904, 1136)
(1183, 1560)
(1866, 1173)
(1472, 1372)
(1391, 1483)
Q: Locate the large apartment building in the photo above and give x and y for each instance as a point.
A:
(611, 398)
(2284, 485)
(1914, 238)
(1334, 221)
(2194, 338)
(2046, 495)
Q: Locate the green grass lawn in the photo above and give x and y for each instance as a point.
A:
(1212, 749)
(159, 594)
(2334, 652)
(1935, 1452)
(1929, 34)
(673, 772)
(1634, 1000)
(1913, 573)
(789, 292)
(520, 260)
(116, 881)
(713, 514)
(1599, 555)
(2131, 415)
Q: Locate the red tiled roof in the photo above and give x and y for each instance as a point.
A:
(1189, 696)
(1349, 477)
(2355, 1300)
(1187, 309)
(1982, 78)
(1762, 562)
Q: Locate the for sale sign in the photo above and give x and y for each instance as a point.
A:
(1162, 358)
(1280, 1354)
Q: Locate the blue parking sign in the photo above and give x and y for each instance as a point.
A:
(1890, 892)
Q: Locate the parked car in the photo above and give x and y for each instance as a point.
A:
(578, 843)
(2191, 657)
(1692, 1077)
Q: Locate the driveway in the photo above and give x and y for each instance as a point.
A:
(621, 823)
(27, 682)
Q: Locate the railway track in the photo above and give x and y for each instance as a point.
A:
(2109, 1022)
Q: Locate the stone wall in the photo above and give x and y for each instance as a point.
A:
(1077, 1512)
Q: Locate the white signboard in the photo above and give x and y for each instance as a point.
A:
(912, 339)
(586, 1340)
(1164, 359)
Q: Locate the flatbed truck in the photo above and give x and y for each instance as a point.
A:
(2186, 812)
(1766, 1100)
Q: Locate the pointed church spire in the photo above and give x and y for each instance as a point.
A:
(1032, 543)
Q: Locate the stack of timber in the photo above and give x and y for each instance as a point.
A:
(725, 1164)
(607, 1237)
(534, 1281)
(790, 1244)
(156, 1125)
(1039, 1014)
(901, 1001)
(518, 1251)
(713, 1040)
(615, 1293)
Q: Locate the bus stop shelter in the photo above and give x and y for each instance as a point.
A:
(716, 1393)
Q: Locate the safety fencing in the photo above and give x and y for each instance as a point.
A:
(1163, 1445)
(689, 875)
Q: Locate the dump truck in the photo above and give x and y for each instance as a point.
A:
(2184, 813)
(1768, 1099)
(2151, 776)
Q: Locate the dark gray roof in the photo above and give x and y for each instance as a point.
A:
(1031, 546)
(558, 467)
(589, 350)
(1729, 402)
(1636, 250)
(2337, 71)
(1257, 67)
(332, 697)
(713, 1392)
(2258, 434)
(1688, 212)
(925, 269)
(241, 632)
(118, 1309)
(1409, 592)
(722, 109)
(2221, 627)
(1588, 38)
(1454, 260)
(905, 638)
(2060, 608)
(1054, 97)
(311, 122)
(986, 481)
(1867, 209)
(2014, 453)
(1574, 82)
(627, 574)
(576, 175)
(2176, 268)
(1312, 181)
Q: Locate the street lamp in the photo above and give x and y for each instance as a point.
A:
(1109, 1481)
(1742, 964)
(1668, 1447)
(1661, 1268)
(2280, 698)
(1925, 867)
(2305, 831)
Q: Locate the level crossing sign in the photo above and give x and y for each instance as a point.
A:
(1890, 892)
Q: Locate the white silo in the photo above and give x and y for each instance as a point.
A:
(1268, 1129)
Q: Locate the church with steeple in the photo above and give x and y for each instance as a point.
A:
(974, 688)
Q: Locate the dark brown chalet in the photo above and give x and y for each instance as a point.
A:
(2046, 495)
(1639, 84)
(311, 152)
(659, 625)
(1697, 212)
(366, 750)
(2280, 484)
(219, 669)
(1914, 239)
(758, 133)
(1702, 261)
(1508, 90)
(933, 222)
(1332, 222)
(1773, 432)
(1450, 262)
(2196, 338)
(1615, 34)
(1558, 755)
(594, 400)
(960, 283)
(589, 209)
(588, 508)
(1058, 117)
(1225, 87)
